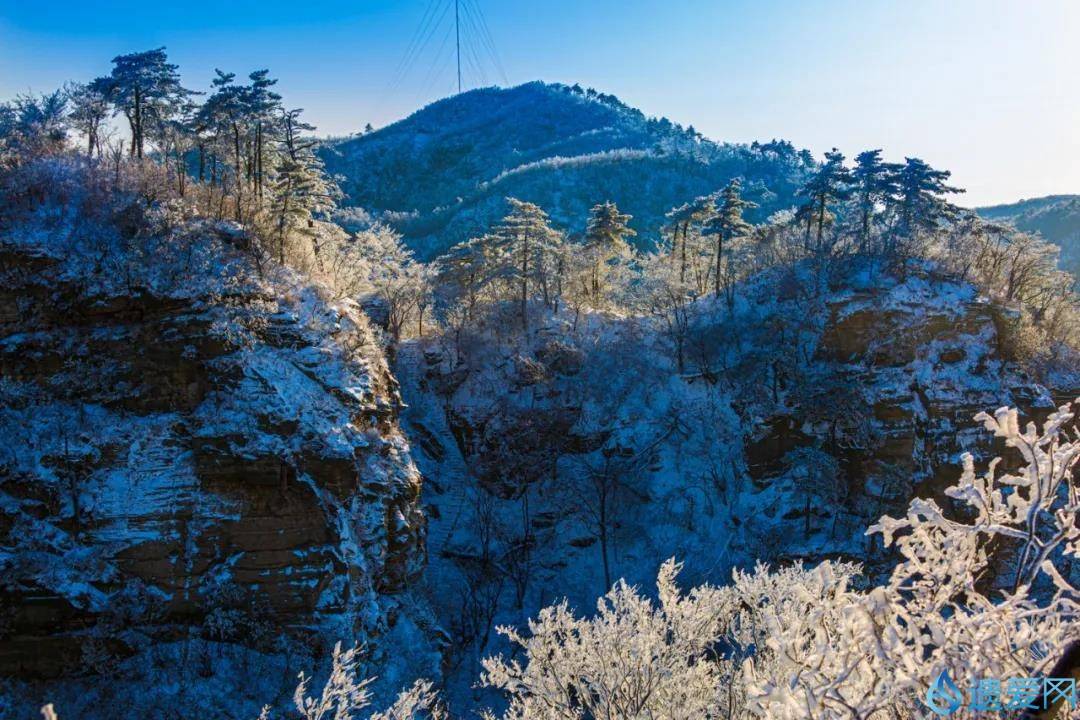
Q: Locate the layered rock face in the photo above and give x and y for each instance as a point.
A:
(923, 357)
(185, 438)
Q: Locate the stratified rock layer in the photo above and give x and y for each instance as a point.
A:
(165, 445)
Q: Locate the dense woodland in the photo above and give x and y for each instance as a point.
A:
(790, 641)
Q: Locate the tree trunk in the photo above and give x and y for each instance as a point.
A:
(138, 124)
(719, 255)
(525, 282)
(258, 159)
(239, 179)
(820, 222)
(865, 244)
(682, 267)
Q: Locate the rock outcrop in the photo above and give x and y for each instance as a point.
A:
(186, 435)
(919, 360)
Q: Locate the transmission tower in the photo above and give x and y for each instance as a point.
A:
(472, 49)
(457, 40)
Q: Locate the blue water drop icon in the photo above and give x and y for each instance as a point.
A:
(943, 696)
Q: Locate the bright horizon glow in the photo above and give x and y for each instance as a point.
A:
(984, 89)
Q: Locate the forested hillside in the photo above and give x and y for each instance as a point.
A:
(252, 430)
(441, 175)
(1055, 217)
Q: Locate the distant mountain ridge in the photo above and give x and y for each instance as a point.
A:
(1055, 217)
(441, 175)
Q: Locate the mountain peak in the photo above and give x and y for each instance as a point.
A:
(441, 174)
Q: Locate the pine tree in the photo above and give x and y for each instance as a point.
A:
(685, 227)
(262, 108)
(146, 88)
(829, 185)
(466, 269)
(526, 241)
(302, 189)
(679, 219)
(727, 223)
(920, 204)
(873, 185)
(605, 234)
(222, 115)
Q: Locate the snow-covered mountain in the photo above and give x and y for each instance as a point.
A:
(440, 175)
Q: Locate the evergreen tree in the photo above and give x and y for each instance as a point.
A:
(685, 222)
(727, 223)
(605, 234)
(829, 185)
(526, 241)
(302, 189)
(920, 203)
(874, 185)
(222, 116)
(679, 219)
(465, 270)
(146, 88)
(262, 108)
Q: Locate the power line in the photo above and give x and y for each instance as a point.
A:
(474, 47)
(486, 37)
(416, 44)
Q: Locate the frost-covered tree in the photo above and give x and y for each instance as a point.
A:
(375, 264)
(817, 477)
(633, 659)
(605, 241)
(985, 593)
(683, 657)
(464, 273)
(828, 186)
(920, 204)
(267, 123)
(688, 254)
(247, 134)
(726, 225)
(873, 184)
(525, 246)
(302, 190)
(32, 126)
(664, 293)
(89, 110)
(146, 88)
(988, 591)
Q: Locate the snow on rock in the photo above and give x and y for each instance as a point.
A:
(580, 454)
(179, 428)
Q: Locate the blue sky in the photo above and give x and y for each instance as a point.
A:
(986, 89)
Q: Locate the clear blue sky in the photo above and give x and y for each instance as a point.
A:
(986, 88)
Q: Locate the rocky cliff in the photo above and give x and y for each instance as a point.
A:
(191, 449)
(583, 454)
(907, 366)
